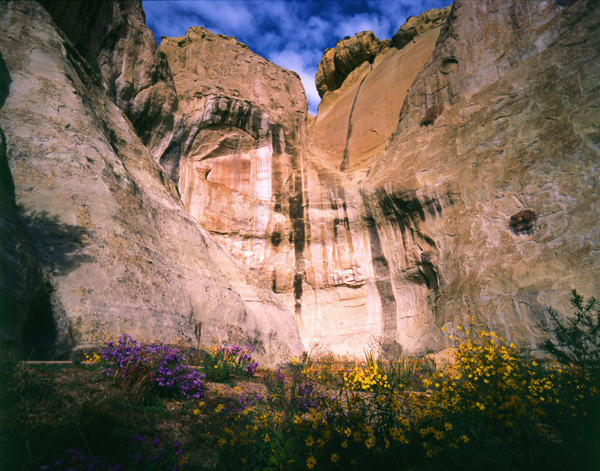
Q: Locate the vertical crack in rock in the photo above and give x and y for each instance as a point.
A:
(171, 157)
(346, 158)
(339, 194)
(381, 270)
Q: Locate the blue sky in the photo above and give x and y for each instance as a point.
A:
(293, 33)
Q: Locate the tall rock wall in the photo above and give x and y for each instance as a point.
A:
(393, 217)
(450, 171)
(498, 145)
(113, 38)
(120, 253)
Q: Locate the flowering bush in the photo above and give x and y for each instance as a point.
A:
(222, 361)
(150, 365)
(371, 379)
(493, 408)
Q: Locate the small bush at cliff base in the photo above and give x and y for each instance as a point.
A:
(577, 337)
(150, 366)
(222, 361)
(576, 346)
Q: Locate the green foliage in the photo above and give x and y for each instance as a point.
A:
(493, 408)
(222, 361)
(577, 337)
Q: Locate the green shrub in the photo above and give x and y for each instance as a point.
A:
(222, 361)
(577, 337)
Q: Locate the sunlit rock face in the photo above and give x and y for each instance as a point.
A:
(450, 171)
(498, 141)
(108, 231)
(437, 180)
(240, 167)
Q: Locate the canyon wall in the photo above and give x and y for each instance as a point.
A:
(431, 184)
(451, 170)
(118, 252)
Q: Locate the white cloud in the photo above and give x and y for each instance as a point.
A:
(230, 18)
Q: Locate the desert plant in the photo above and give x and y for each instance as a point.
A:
(150, 366)
(577, 337)
(222, 361)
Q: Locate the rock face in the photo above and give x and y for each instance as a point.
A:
(498, 144)
(240, 172)
(337, 63)
(355, 121)
(121, 253)
(114, 40)
(454, 174)
(20, 271)
(420, 24)
(414, 190)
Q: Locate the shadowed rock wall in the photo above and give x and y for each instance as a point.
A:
(121, 253)
(113, 38)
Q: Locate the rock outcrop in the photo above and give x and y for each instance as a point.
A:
(454, 174)
(513, 135)
(400, 243)
(240, 171)
(337, 63)
(121, 253)
(113, 38)
(355, 122)
(418, 25)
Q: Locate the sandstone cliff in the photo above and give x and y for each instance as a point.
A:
(113, 38)
(120, 253)
(502, 119)
(452, 174)
(401, 242)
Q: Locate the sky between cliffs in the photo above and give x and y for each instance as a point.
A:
(294, 33)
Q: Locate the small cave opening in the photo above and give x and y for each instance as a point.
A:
(39, 331)
(449, 65)
(523, 222)
(432, 114)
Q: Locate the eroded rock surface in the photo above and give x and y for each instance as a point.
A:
(122, 254)
(355, 122)
(337, 63)
(454, 176)
(113, 38)
(516, 133)
(420, 24)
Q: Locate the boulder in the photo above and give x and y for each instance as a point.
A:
(337, 63)
(419, 24)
